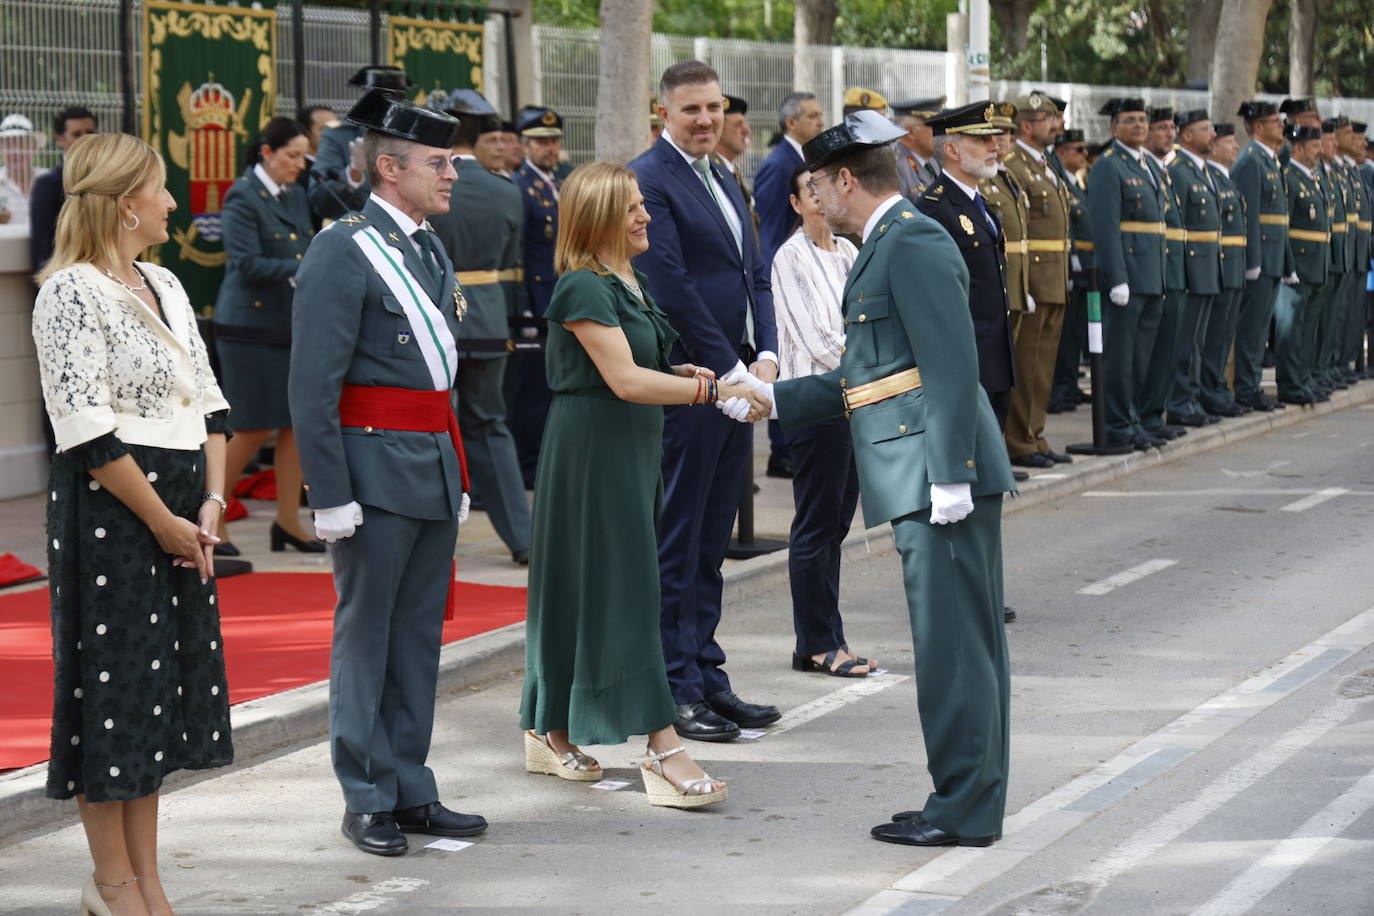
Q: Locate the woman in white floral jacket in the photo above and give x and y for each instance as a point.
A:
(133, 503)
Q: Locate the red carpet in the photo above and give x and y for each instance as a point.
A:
(276, 636)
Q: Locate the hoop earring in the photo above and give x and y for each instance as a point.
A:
(134, 226)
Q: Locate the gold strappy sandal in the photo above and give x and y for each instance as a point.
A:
(694, 793)
(541, 758)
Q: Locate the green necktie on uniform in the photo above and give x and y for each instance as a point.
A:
(703, 168)
(430, 256)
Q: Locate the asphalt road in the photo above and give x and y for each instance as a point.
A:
(1193, 731)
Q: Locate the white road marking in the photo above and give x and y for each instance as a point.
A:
(1126, 577)
(1316, 499)
(376, 896)
(1290, 854)
(860, 688)
(955, 874)
(1216, 491)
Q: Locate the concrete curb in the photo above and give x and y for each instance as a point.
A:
(282, 722)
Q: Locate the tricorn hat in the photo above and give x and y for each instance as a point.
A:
(861, 130)
(1070, 135)
(1162, 113)
(1296, 133)
(1225, 129)
(1257, 109)
(391, 113)
(1292, 107)
(1184, 118)
(376, 77)
(1114, 107)
(460, 102)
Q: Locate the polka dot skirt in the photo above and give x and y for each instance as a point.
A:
(139, 688)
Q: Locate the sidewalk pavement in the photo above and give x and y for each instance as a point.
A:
(272, 725)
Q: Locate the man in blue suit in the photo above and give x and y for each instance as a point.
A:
(705, 271)
(799, 119)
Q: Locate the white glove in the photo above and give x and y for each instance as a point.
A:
(1030, 304)
(1291, 279)
(949, 502)
(739, 375)
(528, 332)
(463, 508)
(766, 389)
(1120, 294)
(1070, 284)
(1252, 274)
(1075, 264)
(735, 408)
(356, 163)
(338, 523)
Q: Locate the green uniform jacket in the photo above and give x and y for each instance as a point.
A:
(1005, 198)
(265, 238)
(1047, 227)
(1080, 223)
(1233, 223)
(1365, 215)
(1259, 176)
(1309, 226)
(331, 196)
(482, 234)
(1337, 190)
(906, 305)
(1202, 220)
(1175, 269)
(1120, 192)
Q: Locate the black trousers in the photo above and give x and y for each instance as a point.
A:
(825, 491)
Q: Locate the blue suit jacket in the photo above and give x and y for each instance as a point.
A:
(696, 273)
(45, 202)
(771, 192)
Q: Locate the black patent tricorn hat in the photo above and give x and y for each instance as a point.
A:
(1299, 132)
(381, 77)
(1114, 107)
(863, 129)
(1251, 111)
(1184, 118)
(392, 113)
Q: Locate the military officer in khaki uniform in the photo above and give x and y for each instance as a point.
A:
(1036, 330)
(1008, 202)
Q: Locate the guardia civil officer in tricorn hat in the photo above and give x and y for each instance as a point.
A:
(338, 177)
(931, 461)
(373, 364)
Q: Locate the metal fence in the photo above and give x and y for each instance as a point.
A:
(65, 52)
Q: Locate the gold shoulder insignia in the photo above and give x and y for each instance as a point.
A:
(393, 236)
(907, 215)
(353, 220)
(883, 227)
(1110, 151)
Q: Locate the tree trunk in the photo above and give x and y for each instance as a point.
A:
(813, 24)
(1203, 17)
(623, 81)
(1302, 45)
(1235, 73)
(1013, 18)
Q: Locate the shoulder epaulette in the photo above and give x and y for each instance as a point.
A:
(934, 197)
(1109, 151)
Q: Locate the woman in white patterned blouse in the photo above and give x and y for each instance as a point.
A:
(809, 272)
(133, 500)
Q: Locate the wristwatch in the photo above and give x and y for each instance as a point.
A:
(217, 497)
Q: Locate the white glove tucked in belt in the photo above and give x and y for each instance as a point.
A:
(337, 523)
(1252, 274)
(949, 502)
(463, 508)
(1291, 279)
(1119, 294)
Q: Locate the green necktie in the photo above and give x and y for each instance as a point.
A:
(703, 168)
(430, 256)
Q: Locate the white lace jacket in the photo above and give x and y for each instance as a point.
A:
(109, 364)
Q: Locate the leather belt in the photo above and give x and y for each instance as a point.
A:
(1233, 241)
(1082, 245)
(1175, 235)
(1190, 235)
(880, 390)
(1274, 219)
(1365, 225)
(1047, 244)
(1149, 228)
(1353, 220)
(1017, 247)
(487, 277)
(1309, 235)
(1336, 227)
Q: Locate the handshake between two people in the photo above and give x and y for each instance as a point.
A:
(741, 394)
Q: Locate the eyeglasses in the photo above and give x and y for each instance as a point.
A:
(441, 164)
(811, 182)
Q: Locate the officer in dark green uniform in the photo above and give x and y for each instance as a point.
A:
(1258, 175)
(1352, 338)
(1309, 239)
(338, 179)
(1159, 373)
(1126, 201)
(1215, 393)
(1196, 192)
(1331, 316)
(482, 234)
(1069, 158)
(931, 461)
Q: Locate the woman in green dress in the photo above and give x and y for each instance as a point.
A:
(594, 670)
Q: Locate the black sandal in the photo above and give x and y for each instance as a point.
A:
(828, 666)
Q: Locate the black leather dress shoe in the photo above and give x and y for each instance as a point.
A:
(520, 557)
(437, 820)
(1300, 399)
(1033, 460)
(375, 833)
(1019, 475)
(1258, 401)
(1188, 419)
(1144, 442)
(698, 722)
(779, 467)
(1008, 615)
(745, 715)
(1058, 457)
(918, 832)
(1170, 432)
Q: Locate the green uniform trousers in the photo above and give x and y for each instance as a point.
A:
(1128, 338)
(1330, 325)
(1295, 337)
(1355, 319)
(1185, 397)
(492, 462)
(953, 578)
(1252, 333)
(1214, 391)
(1153, 395)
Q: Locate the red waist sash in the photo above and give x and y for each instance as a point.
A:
(405, 409)
(408, 410)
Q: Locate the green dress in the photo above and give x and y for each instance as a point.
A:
(593, 660)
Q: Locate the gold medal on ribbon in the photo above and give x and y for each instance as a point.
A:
(460, 302)
(965, 223)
